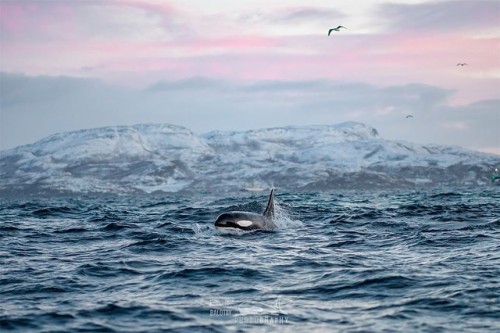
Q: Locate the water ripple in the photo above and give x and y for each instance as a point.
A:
(403, 261)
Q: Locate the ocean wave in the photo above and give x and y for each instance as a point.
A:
(405, 261)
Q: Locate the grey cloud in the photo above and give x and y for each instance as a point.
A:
(308, 14)
(282, 86)
(292, 15)
(473, 125)
(193, 83)
(416, 96)
(442, 16)
(34, 107)
(420, 96)
(489, 104)
(23, 89)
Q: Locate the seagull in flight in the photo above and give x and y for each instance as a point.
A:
(409, 116)
(335, 29)
(462, 64)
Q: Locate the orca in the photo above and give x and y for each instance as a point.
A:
(246, 221)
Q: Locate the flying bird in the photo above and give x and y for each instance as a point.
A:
(335, 29)
(409, 116)
(462, 64)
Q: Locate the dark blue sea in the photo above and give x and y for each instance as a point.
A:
(373, 261)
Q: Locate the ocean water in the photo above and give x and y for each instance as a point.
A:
(374, 261)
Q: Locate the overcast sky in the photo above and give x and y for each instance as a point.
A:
(238, 65)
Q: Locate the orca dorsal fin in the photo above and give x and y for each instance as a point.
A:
(269, 212)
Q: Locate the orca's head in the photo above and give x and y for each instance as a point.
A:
(235, 221)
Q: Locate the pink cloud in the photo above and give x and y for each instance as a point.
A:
(35, 21)
(63, 20)
(233, 42)
(36, 39)
(14, 17)
(370, 57)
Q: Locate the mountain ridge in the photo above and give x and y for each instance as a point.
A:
(150, 158)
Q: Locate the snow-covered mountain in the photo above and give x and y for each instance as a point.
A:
(168, 158)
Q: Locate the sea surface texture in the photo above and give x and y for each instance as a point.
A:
(372, 261)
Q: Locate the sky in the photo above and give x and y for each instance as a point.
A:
(239, 65)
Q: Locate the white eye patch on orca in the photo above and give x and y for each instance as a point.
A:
(244, 223)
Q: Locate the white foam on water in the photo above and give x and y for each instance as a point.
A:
(283, 218)
(203, 230)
